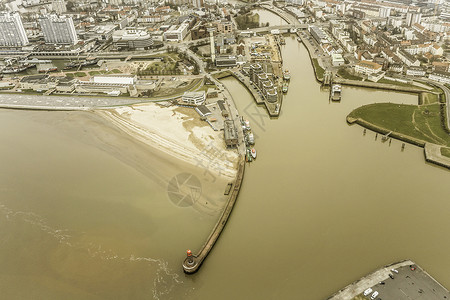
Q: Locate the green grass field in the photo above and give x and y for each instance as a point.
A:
(345, 74)
(319, 70)
(418, 121)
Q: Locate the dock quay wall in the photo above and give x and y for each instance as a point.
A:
(431, 151)
(375, 85)
(384, 131)
(192, 266)
(433, 155)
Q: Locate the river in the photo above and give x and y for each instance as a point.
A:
(84, 211)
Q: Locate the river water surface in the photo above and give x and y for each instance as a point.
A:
(84, 211)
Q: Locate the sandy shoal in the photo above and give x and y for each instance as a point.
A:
(179, 132)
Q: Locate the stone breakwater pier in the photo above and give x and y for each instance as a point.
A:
(193, 262)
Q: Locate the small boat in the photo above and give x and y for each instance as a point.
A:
(253, 152)
(247, 125)
(248, 156)
(48, 70)
(89, 62)
(71, 65)
(284, 88)
(114, 93)
(286, 75)
(336, 90)
(250, 138)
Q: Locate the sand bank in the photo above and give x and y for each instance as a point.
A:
(178, 132)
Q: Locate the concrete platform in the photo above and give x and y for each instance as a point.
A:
(411, 282)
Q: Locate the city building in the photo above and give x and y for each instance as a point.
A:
(193, 98)
(132, 39)
(443, 77)
(176, 33)
(59, 6)
(318, 34)
(445, 11)
(12, 33)
(197, 3)
(413, 18)
(115, 79)
(337, 59)
(58, 29)
(226, 61)
(367, 67)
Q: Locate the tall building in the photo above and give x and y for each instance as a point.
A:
(413, 18)
(384, 12)
(58, 29)
(116, 2)
(59, 6)
(197, 3)
(12, 32)
(445, 11)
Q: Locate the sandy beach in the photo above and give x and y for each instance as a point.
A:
(179, 132)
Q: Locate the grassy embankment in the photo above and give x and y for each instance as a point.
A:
(418, 124)
(318, 69)
(165, 93)
(221, 75)
(344, 73)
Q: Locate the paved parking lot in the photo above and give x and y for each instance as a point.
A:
(410, 283)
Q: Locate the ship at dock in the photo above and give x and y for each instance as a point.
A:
(284, 88)
(80, 64)
(335, 93)
(286, 75)
(13, 69)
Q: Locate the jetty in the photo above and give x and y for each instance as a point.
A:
(193, 262)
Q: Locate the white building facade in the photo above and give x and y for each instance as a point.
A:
(58, 30)
(12, 33)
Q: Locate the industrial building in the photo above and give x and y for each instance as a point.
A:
(58, 30)
(230, 133)
(12, 33)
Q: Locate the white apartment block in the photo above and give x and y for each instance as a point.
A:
(58, 30)
(12, 33)
(440, 77)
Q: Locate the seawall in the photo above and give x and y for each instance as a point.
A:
(192, 265)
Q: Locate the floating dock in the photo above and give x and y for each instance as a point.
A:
(193, 262)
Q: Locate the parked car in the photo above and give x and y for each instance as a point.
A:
(374, 295)
(390, 275)
(394, 270)
(367, 292)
